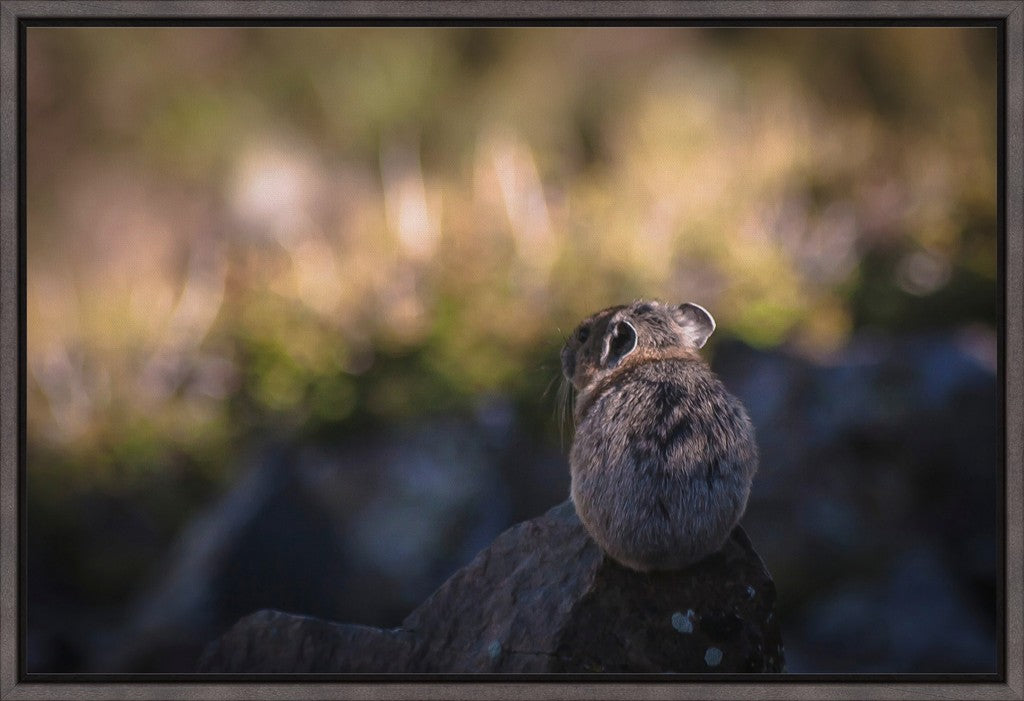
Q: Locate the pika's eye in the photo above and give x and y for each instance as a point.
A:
(583, 333)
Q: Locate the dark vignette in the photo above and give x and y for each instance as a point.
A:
(20, 15)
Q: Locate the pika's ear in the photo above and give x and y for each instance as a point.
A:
(695, 321)
(619, 341)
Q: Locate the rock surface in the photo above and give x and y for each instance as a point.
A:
(541, 598)
(373, 525)
(876, 501)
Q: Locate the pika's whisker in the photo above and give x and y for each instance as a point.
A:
(564, 404)
(547, 389)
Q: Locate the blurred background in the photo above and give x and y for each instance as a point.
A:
(295, 298)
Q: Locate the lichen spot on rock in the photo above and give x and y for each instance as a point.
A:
(494, 650)
(712, 657)
(683, 621)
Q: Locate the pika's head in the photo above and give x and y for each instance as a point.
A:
(613, 336)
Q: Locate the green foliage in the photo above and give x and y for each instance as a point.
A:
(314, 230)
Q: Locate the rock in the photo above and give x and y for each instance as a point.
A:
(541, 598)
(894, 443)
(271, 641)
(373, 525)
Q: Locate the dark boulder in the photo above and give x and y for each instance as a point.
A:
(877, 499)
(541, 598)
(373, 524)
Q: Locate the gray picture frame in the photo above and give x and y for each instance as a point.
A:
(13, 15)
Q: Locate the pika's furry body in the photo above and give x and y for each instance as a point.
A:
(663, 456)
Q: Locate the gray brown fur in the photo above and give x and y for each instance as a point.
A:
(663, 456)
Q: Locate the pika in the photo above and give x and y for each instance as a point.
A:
(663, 456)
